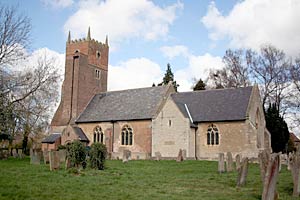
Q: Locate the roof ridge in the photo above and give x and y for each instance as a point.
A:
(131, 89)
(211, 90)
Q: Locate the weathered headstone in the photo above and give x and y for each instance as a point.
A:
(14, 153)
(35, 156)
(179, 157)
(62, 155)
(229, 162)
(237, 162)
(263, 158)
(54, 160)
(243, 172)
(184, 154)
(46, 156)
(289, 160)
(3, 154)
(20, 153)
(269, 190)
(68, 164)
(221, 164)
(126, 155)
(295, 169)
(157, 156)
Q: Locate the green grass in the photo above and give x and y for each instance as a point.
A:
(133, 180)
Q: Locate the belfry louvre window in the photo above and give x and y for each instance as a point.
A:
(126, 135)
(212, 135)
(98, 135)
(97, 74)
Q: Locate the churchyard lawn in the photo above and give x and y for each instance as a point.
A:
(133, 180)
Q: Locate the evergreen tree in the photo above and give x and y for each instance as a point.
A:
(200, 85)
(169, 76)
(277, 128)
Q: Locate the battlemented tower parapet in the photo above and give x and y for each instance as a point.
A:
(86, 71)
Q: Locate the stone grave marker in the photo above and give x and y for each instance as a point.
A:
(184, 154)
(54, 160)
(263, 158)
(46, 156)
(295, 170)
(157, 156)
(20, 153)
(3, 154)
(229, 162)
(221, 164)
(179, 157)
(237, 162)
(68, 164)
(15, 154)
(126, 155)
(62, 155)
(243, 172)
(35, 157)
(269, 186)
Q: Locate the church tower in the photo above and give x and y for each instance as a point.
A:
(86, 71)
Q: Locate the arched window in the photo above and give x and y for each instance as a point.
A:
(98, 135)
(126, 135)
(212, 135)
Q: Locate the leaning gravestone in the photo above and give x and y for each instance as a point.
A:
(54, 160)
(269, 190)
(229, 162)
(243, 172)
(157, 156)
(295, 169)
(62, 155)
(237, 162)
(221, 164)
(263, 158)
(180, 156)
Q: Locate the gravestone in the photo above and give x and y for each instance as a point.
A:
(3, 154)
(295, 170)
(54, 160)
(126, 156)
(62, 155)
(14, 153)
(221, 164)
(35, 156)
(269, 186)
(289, 160)
(229, 162)
(263, 158)
(237, 162)
(179, 157)
(243, 172)
(46, 156)
(184, 154)
(20, 153)
(157, 156)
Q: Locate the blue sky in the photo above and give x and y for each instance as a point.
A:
(191, 35)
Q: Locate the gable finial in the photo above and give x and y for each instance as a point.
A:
(106, 40)
(88, 35)
(69, 37)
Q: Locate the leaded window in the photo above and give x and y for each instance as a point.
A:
(98, 135)
(213, 135)
(126, 135)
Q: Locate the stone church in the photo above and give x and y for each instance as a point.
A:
(153, 119)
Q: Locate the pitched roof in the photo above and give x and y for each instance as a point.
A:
(51, 138)
(214, 105)
(132, 104)
(80, 133)
(294, 138)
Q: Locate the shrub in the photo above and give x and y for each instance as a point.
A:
(61, 147)
(97, 155)
(76, 153)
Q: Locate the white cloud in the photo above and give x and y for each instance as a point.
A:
(122, 20)
(58, 3)
(174, 51)
(252, 23)
(198, 65)
(134, 73)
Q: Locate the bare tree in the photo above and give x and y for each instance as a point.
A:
(234, 74)
(271, 70)
(14, 35)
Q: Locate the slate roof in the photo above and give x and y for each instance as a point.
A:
(80, 133)
(132, 104)
(51, 138)
(214, 105)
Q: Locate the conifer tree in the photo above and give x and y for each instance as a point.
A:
(169, 76)
(200, 85)
(277, 128)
